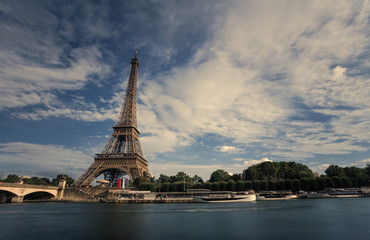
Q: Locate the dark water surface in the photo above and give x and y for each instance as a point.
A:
(293, 219)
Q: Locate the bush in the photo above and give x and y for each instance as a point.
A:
(215, 186)
(296, 185)
(264, 185)
(240, 186)
(347, 183)
(314, 186)
(248, 184)
(305, 184)
(280, 185)
(272, 185)
(289, 184)
(257, 185)
(231, 186)
(223, 186)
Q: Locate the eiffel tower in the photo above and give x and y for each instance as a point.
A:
(122, 154)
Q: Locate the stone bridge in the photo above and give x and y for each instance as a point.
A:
(15, 192)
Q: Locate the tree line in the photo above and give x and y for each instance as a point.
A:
(12, 178)
(266, 176)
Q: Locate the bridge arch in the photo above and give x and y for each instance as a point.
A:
(6, 196)
(113, 173)
(39, 195)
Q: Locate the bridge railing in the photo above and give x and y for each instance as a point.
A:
(5, 184)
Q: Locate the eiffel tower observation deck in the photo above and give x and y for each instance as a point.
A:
(122, 155)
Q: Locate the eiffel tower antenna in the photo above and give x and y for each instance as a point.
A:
(122, 155)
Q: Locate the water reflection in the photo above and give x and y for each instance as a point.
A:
(299, 219)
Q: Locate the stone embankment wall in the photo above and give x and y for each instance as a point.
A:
(82, 195)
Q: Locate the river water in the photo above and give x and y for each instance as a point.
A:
(292, 219)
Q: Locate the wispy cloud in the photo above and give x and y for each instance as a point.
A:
(274, 82)
(292, 77)
(227, 149)
(39, 159)
(37, 59)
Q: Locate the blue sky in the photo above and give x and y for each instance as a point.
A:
(221, 84)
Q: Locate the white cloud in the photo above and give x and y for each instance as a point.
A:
(265, 75)
(338, 72)
(227, 149)
(24, 83)
(323, 166)
(244, 83)
(43, 160)
(361, 163)
(255, 162)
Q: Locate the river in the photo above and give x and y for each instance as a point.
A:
(292, 219)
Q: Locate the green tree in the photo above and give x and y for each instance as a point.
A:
(272, 171)
(11, 178)
(231, 186)
(367, 171)
(240, 186)
(346, 181)
(305, 184)
(219, 175)
(177, 187)
(143, 186)
(303, 174)
(257, 185)
(329, 182)
(163, 178)
(181, 176)
(264, 185)
(248, 184)
(36, 181)
(46, 181)
(207, 185)
(272, 185)
(296, 185)
(223, 186)
(361, 182)
(138, 181)
(335, 170)
(165, 187)
(280, 184)
(215, 186)
(314, 186)
(269, 170)
(69, 180)
(289, 184)
(252, 173)
(173, 179)
(236, 177)
(355, 182)
(197, 179)
(355, 172)
(338, 181)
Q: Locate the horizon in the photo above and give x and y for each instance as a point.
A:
(220, 85)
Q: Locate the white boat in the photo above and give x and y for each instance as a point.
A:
(275, 196)
(227, 197)
(337, 193)
(318, 195)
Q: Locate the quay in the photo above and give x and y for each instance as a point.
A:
(18, 193)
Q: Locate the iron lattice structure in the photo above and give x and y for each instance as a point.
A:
(122, 154)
